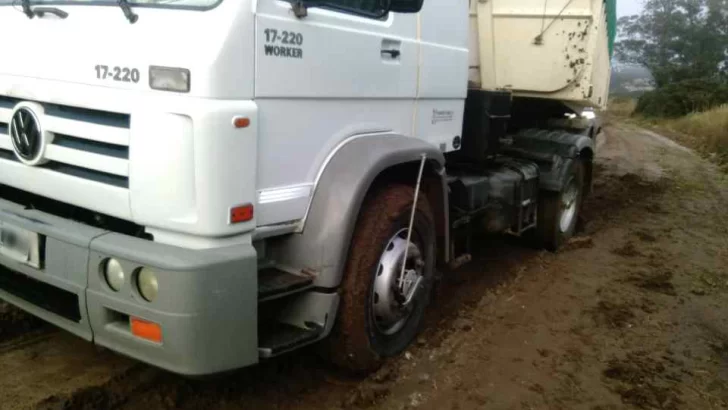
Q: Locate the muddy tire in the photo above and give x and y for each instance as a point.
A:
(558, 212)
(373, 320)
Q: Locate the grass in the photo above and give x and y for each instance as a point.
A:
(706, 132)
(622, 106)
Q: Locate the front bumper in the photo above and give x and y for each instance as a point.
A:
(206, 306)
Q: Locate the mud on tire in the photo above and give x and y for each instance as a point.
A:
(358, 343)
(551, 233)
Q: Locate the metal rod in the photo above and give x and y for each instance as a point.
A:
(412, 218)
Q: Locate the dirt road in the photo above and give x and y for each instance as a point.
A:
(634, 314)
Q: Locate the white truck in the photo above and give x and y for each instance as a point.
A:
(201, 184)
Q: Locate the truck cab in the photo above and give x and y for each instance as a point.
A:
(185, 182)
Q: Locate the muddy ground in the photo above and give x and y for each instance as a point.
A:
(633, 315)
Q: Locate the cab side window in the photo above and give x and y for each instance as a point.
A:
(368, 8)
(362, 6)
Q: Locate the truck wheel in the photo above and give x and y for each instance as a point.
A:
(558, 212)
(380, 312)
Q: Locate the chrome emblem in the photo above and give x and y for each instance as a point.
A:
(26, 134)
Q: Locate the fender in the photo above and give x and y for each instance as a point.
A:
(323, 245)
(555, 152)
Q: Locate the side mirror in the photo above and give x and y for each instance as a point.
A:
(405, 6)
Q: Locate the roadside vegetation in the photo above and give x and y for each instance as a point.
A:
(621, 107)
(684, 44)
(704, 131)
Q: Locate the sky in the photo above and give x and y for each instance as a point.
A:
(628, 7)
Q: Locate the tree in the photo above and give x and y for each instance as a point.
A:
(677, 39)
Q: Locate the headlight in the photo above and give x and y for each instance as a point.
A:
(169, 79)
(114, 274)
(147, 284)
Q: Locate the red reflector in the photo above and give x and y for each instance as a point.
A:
(243, 213)
(146, 330)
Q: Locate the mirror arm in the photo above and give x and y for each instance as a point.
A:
(386, 7)
(299, 8)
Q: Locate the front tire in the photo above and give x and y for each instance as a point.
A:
(558, 212)
(381, 312)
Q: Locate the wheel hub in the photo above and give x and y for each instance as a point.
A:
(569, 205)
(394, 293)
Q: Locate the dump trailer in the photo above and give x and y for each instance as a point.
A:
(204, 184)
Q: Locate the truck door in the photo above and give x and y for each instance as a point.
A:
(340, 71)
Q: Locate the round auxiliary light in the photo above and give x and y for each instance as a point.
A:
(147, 284)
(114, 274)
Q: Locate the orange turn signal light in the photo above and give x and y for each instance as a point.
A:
(243, 213)
(146, 330)
(241, 122)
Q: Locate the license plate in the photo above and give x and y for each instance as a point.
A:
(20, 244)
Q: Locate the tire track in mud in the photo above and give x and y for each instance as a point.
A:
(25, 340)
(48, 362)
(114, 392)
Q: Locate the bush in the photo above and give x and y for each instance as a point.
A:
(682, 98)
(620, 106)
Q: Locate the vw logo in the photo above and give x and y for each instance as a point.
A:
(27, 135)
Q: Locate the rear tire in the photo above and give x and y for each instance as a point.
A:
(372, 323)
(558, 212)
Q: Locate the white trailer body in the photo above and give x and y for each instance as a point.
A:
(555, 49)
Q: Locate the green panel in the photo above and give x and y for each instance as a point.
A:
(611, 23)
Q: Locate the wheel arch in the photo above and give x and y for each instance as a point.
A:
(359, 166)
(433, 187)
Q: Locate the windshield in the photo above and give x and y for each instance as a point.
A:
(196, 4)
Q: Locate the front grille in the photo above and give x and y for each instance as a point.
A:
(89, 144)
(43, 295)
(95, 147)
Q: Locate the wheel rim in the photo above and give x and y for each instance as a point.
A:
(393, 297)
(569, 204)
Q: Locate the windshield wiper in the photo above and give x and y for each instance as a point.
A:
(41, 11)
(126, 8)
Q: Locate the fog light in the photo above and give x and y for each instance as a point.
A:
(114, 274)
(147, 284)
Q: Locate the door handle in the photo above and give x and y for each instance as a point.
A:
(393, 54)
(390, 49)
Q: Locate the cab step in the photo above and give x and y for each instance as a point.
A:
(281, 337)
(274, 283)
